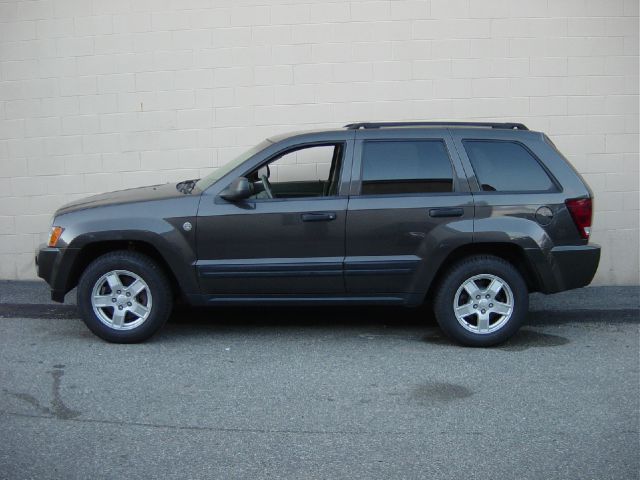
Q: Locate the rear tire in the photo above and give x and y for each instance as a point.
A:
(482, 301)
(124, 297)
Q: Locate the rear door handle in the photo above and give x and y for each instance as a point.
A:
(446, 212)
(318, 216)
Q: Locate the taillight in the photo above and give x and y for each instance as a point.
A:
(581, 210)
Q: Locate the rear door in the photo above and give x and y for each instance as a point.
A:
(409, 206)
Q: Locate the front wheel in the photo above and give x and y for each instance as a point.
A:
(124, 297)
(482, 301)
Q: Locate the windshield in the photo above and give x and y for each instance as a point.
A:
(220, 172)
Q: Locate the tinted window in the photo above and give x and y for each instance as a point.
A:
(506, 166)
(406, 167)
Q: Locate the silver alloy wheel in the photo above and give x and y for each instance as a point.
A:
(483, 303)
(121, 300)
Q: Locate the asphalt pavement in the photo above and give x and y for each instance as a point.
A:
(321, 393)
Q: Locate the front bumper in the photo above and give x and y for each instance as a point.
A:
(53, 266)
(568, 267)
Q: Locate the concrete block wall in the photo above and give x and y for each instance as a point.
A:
(99, 95)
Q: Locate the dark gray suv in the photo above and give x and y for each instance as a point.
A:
(471, 216)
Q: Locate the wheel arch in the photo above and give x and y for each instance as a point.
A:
(89, 252)
(510, 252)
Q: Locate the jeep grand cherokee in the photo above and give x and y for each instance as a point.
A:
(471, 216)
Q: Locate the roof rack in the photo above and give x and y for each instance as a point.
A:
(369, 125)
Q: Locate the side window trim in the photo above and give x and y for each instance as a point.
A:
(356, 189)
(293, 148)
(477, 188)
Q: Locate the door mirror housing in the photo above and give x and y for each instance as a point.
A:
(239, 189)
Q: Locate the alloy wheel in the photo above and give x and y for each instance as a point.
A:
(121, 300)
(483, 303)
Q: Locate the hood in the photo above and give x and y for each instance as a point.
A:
(131, 195)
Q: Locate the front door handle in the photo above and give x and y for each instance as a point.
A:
(318, 216)
(446, 212)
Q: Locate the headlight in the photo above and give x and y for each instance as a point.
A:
(55, 235)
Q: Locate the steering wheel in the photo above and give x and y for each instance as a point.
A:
(266, 185)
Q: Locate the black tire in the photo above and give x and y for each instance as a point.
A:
(140, 265)
(456, 276)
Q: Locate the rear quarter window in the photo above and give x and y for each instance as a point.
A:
(504, 166)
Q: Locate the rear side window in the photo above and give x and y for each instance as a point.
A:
(506, 167)
(396, 167)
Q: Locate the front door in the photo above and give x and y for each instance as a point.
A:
(410, 206)
(287, 239)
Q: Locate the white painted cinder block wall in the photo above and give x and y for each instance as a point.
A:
(98, 95)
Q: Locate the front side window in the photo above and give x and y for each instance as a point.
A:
(309, 171)
(401, 167)
(503, 166)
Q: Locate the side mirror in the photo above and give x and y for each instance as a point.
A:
(239, 189)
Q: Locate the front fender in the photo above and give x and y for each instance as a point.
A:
(131, 223)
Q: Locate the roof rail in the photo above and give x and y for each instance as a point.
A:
(369, 125)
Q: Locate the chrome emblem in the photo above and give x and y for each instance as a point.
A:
(186, 226)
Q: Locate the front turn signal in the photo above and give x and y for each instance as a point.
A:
(55, 235)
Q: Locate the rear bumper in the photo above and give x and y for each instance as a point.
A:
(568, 267)
(52, 265)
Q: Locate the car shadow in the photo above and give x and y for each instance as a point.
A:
(379, 322)
(305, 317)
(368, 322)
(416, 324)
(378, 316)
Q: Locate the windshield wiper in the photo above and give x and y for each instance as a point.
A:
(186, 186)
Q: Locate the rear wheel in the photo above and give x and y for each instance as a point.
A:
(124, 297)
(482, 301)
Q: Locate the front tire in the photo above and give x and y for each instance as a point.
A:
(482, 301)
(124, 297)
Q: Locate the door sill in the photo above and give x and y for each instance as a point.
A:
(310, 300)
